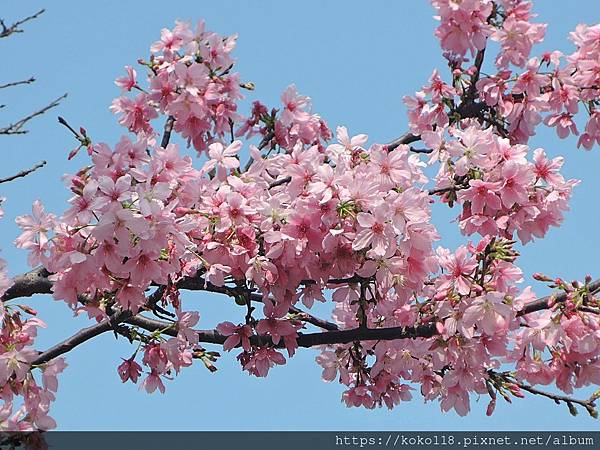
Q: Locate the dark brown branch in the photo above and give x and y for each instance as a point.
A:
(304, 340)
(472, 92)
(17, 83)
(36, 282)
(17, 127)
(81, 336)
(14, 28)
(443, 190)
(542, 303)
(167, 132)
(280, 182)
(82, 139)
(23, 173)
(28, 284)
(407, 138)
(199, 284)
(306, 317)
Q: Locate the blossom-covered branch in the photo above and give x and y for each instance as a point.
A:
(312, 219)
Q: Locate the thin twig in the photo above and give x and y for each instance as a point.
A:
(23, 173)
(16, 128)
(588, 404)
(81, 336)
(14, 28)
(17, 83)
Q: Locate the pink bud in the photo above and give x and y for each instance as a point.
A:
(516, 390)
(541, 277)
(73, 153)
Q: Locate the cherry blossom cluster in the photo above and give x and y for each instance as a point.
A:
(26, 401)
(512, 102)
(500, 191)
(295, 124)
(465, 27)
(5, 281)
(190, 79)
(571, 329)
(306, 217)
(477, 310)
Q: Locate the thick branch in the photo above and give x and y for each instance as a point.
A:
(23, 173)
(304, 340)
(406, 138)
(36, 282)
(167, 132)
(28, 284)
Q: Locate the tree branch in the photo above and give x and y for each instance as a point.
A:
(14, 28)
(80, 337)
(17, 127)
(588, 404)
(407, 138)
(17, 83)
(37, 282)
(542, 303)
(304, 340)
(28, 284)
(167, 133)
(23, 173)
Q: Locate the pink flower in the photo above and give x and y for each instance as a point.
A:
(35, 227)
(459, 266)
(129, 81)
(113, 193)
(17, 363)
(295, 106)
(129, 370)
(481, 194)
(517, 178)
(438, 89)
(564, 124)
(192, 78)
(375, 231)
(223, 158)
(153, 382)
(472, 149)
(185, 323)
(548, 170)
(358, 396)
(488, 313)
(347, 143)
(236, 334)
(262, 360)
(276, 328)
(136, 114)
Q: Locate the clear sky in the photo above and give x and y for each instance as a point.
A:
(355, 60)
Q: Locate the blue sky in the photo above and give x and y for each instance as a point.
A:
(356, 62)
